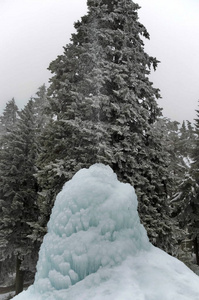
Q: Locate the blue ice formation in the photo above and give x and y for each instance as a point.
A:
(96, 248)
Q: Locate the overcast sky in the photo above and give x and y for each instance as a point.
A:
(33, 32)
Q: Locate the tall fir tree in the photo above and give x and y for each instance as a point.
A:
(9, 117)
(174, 140)
(103, 110)
(192, 206)
(185, 200)
(18, 190)
(41, 107)
(8, 120)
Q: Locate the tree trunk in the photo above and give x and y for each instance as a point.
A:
(19, 277)
(196, 250)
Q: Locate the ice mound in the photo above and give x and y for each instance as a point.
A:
(97, 249)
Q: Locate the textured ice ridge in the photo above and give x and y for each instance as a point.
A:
(92, 225)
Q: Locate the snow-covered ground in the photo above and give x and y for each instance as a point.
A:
(97, 249)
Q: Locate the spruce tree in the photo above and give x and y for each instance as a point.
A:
(174, 141)
(192, 207)
(103, 110)
(177, 141)
(18, 191)
(9, 117)
(41, 107)
(185, 200)
(8, 120)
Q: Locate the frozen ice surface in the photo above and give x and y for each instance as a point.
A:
(97, 249)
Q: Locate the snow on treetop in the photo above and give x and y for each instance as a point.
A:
(97, 249)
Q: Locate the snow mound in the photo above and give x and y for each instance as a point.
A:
(97, 249)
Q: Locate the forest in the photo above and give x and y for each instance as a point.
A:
(100, 107)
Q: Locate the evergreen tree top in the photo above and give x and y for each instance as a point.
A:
(108, 48)
(9, 116)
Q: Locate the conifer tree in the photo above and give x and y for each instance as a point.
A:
(9, 117)
(8, 120)
(104, 108)
(186, 140)
(41, 107)
(18, 191)
(185, 201)
(174, 145)
(192, 207)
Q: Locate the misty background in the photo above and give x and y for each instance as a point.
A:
(33, 33)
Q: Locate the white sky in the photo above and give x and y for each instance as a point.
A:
(33, 32)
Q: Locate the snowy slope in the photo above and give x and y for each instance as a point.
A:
(97, 249)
